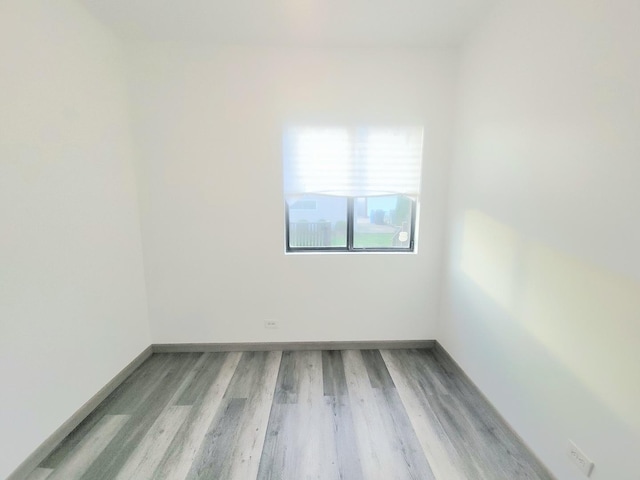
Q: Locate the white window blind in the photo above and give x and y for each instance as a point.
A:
(352, 161)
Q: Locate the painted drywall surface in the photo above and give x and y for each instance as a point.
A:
(542, 304)
(209, 124)
(72, 299)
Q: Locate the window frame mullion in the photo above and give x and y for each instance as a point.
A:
(350, 223)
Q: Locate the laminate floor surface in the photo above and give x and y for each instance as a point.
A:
(293, 415)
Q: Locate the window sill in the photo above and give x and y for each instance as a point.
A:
(343, 252)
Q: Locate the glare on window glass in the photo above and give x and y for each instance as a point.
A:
(382, 222)
(317, 221)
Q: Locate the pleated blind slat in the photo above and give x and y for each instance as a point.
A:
(352, 161)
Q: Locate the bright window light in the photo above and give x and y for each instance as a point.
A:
(364, 184)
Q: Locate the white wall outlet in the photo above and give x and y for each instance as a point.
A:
(580, 459)
(270, 324)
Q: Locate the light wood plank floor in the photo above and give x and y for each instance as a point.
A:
(293, 415)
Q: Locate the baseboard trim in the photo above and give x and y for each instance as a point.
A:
(271, 346)
(446, 357)
(40, 453)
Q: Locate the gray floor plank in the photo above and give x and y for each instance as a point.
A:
(456, 428)
(249, 373)
(377, 370)
(436, 445)
(87, 451)
(333, 379)
(276, 451)
(40, 474)
(187, 381)
(341, 422)
(399, 431)
(245, 459)
(398, 427)
(254, 382)
(113, 458)
(352, 415)
(206, 375)
(299, 442)
(144, 460)
(128, 400)
(336, 397)
(213, 459)
(191, 438)
(474, 456)
(379, 455)
(493, 444)
(412, 364)
(143, 382)
(288, 379)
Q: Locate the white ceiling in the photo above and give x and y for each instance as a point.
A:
(295, 22)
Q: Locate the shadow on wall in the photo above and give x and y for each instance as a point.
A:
(586, 317)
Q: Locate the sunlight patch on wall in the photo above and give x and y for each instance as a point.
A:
(586, 316)
(489, 256)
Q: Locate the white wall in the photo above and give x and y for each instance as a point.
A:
(543, 285)
(209, 124)
(72, 298)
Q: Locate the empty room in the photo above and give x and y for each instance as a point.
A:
(328, 239)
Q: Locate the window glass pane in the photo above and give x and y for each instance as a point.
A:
(382, 222)
(317, 221)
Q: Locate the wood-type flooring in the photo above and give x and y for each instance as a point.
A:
(294, 415)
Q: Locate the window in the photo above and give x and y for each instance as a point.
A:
(351, 189)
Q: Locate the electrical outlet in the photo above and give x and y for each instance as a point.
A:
(270, 324)
(580, 459)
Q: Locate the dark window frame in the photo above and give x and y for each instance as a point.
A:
(350, 234)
